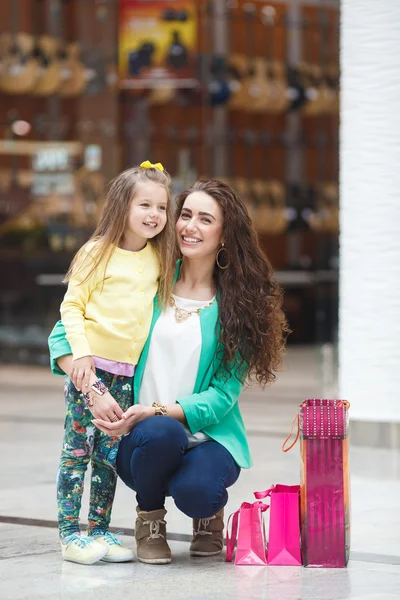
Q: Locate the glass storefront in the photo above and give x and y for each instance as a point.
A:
(246, 92)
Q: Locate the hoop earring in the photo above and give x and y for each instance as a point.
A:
(217, 258)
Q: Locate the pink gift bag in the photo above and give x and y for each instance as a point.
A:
(325, 482)
(284, 525)
(248, 528)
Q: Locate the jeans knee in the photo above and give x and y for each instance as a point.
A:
(198, 499)
(158, 439)
(162, 433)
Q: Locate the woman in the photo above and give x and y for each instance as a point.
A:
(224, 323)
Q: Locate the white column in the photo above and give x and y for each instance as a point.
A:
(369, 315)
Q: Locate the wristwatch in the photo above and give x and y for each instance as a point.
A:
(160, 410)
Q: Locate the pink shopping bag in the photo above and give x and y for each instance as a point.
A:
(325, 498)
(284, 525)
(248, 528)
(325, 483)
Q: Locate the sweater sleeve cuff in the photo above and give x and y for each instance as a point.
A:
(80, 347)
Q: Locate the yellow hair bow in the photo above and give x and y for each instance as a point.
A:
(148, 165)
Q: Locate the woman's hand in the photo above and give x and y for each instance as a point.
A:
(130, 418)
(80, 372)
(105, 407)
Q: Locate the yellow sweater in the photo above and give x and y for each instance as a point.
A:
(111, 318)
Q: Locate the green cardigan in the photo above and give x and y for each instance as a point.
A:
(213, 407)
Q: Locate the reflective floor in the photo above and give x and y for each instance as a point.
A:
(31, 421)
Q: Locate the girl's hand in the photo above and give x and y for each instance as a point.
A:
(105, 408)
(80, 372)
(130, 418)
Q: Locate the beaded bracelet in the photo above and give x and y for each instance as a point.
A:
(98, 387)
(87, 399)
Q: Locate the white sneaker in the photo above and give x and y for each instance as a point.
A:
(82, 550)
(116, 552)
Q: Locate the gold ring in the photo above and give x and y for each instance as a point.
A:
(114, 419)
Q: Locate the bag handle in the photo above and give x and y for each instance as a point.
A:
(231, 539)
(291, 433)
(264, 494)
(344, 403)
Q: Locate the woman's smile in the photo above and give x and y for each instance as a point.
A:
(190, 240)
(200, 224)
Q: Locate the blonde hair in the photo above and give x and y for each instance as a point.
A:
(112, 224)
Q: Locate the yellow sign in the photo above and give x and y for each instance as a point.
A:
(157, 43)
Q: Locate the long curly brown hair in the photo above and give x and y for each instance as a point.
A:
(253, 327)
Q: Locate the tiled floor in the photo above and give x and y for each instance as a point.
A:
(31, 418)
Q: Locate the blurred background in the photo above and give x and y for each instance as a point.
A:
(247, 92)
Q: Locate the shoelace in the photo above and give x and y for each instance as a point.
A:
(81, 540)
(111, 539)
(155, 528)
(205, 523)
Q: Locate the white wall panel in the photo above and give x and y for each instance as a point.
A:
(369, 316)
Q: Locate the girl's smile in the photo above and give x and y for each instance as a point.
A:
(148, 212)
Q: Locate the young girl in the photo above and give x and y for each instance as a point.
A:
(107, 311)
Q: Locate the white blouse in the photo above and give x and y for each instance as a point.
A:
(173, 360)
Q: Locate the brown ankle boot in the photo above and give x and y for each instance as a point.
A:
(207, 535)
(151, 537)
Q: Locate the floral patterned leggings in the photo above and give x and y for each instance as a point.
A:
(83, 442)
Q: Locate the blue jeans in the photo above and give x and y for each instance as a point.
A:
(154, 461)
